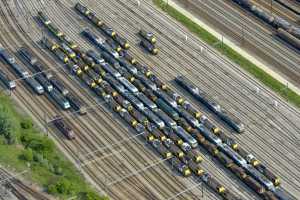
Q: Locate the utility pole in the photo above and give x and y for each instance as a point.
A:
(271, 7)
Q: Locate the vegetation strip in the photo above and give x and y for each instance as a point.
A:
(23, 146)
(234, 56)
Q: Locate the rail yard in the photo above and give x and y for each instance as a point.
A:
(143, 108)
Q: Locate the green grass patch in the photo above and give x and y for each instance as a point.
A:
(31, 150)
(234, 56)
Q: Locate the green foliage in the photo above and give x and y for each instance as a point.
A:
(27, 155)
(234, 56)
(62, 186)
(38, 143)
(93, 196)
(6, 126)
(48, 166)
(26, 123)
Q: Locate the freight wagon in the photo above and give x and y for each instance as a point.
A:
(59, 85)
(288, 38)
(76, 104)
(10, 84)
(44, 82)
(60, 99)
(61, 125)
(28, 55)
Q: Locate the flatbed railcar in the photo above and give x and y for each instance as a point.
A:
(61, 125)
(201, 96)
(213, 183)
(76, 104)
(10, 84)
(60, 99)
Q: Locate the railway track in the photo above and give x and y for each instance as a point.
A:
(19, 188)
(251, 33)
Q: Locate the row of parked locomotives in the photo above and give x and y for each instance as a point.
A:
(205, 99)
(172, 126)
(285, 29)
(41, 80)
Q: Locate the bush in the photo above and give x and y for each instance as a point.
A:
(58, 170)
(62, 186)
(26, 123)
(93, 196)
(27, 155)
(5, 124)
(37, 142)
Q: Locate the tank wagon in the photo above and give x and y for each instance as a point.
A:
(201, 96)
(288, 38)
(62, 126)
(10, 84)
